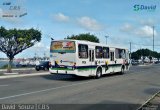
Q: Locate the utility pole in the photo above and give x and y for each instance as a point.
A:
(130, 43)
(106, 38)
(35, 54)
(44, 56)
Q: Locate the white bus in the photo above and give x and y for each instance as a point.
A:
(84, 58)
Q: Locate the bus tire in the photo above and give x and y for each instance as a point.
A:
(98, 73)
(122, 70)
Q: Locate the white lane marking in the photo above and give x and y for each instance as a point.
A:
(4, 85)
(44, 90)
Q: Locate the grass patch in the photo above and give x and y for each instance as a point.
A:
(4, 66)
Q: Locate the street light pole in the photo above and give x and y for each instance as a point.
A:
(106, 38)
(153, 38)
(130, 49)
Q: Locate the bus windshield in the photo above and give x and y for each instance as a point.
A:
(63, 47)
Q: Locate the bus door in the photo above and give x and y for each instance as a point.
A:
(112, 59)
(91, 60)
(111, 56)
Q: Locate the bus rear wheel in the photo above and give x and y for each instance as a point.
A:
(98, 73)
(122, 70)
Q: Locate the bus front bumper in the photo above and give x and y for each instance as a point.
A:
(56, 71)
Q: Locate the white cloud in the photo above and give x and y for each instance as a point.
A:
(39, 45)
(48, 47)
(145, 31)
(61, 17)
(149, 22)
(1, 13)
(89, 23)
(39, 49)
(126, 28)
(85, 22)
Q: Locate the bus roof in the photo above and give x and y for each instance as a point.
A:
(92, 43)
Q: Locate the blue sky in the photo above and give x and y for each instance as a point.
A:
(60, 18)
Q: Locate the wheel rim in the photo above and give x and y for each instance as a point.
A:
(98, 74)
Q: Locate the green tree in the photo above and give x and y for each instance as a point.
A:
(86, 36)
(158, 56)
(135, 56)
(145, 52)
(14, 41)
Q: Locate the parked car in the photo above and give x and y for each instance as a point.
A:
(42, 66)
(135, 62)
(157, 62)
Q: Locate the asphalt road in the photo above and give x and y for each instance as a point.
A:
(134, 87)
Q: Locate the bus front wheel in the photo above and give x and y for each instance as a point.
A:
(98, 73)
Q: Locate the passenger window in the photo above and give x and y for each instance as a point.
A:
(99, 52)
(120, 53)
(124, 54)
(105, 52)
(83, 51)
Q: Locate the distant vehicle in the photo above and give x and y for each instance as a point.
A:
(157, 62)
(135, 62)
(26, 63)
(42, 66)
(84, 58)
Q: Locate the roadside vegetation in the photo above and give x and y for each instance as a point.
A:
(4, 67)
(87, 37)
(14, 41)
(142, 53)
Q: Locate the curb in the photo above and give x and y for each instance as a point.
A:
(23, 75)
(19, 69)
(10, 73)
(146, 65)
(139, 108)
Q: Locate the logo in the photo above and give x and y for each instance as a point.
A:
(13, 10)
(149, 8)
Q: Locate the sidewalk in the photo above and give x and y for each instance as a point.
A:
(146, 64)
(21, 72)
(152, 104)
(23, 75)
(18, 69)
